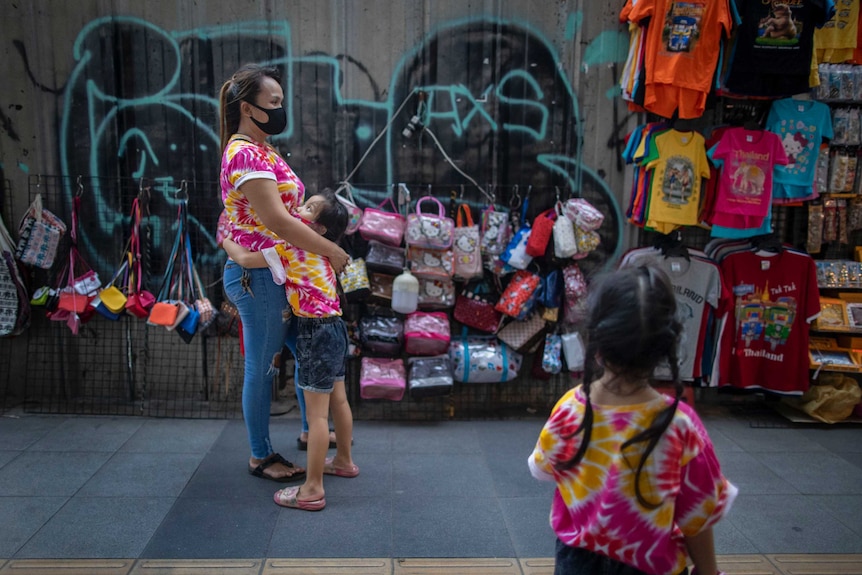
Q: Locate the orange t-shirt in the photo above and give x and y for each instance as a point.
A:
(683, 41)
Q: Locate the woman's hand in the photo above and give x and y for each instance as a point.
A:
(338, 259)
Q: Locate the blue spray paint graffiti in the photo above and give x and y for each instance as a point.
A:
(140, 104)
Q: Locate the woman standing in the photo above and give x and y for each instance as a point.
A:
(259, 191)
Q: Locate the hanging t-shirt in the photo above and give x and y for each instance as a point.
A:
(745, 188)
(764, 342)
(678, 160)
(681, 52)
(697, 287)
(836, 41)
(774, 45)
(801, 125)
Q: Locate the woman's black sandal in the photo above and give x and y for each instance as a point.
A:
(272, 459)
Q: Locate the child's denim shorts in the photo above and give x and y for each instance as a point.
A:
(321, 350)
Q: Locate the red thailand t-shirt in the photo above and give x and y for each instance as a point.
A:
(764, 340)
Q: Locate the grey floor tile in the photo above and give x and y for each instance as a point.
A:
(729, 540)
(175, 436)
(223, 476)
(846, 508)
(769, 440)
(99, 528)
(449, 526)
(791, 524)
(751, 476)
(836, 438)
(348, 527)
(435, 437)
(21, 432)
(516, 437)
(216, 528)
(89, 434)
(378, 437)
(7, 456)
(21, 517)
(852, 458)
(374, 480)
(721, 442)
(34, 473)
(143, 475)
(439, 475)
(512, 477)
(528, 524)
(815, 473)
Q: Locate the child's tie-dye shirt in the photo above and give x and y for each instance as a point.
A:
(308, 278)
(594, 505)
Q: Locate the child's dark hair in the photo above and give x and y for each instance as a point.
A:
(243, 86)
(333, 215)
(632, 327)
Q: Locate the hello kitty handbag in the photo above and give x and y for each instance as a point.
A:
(468, 254)
(436, 293)
(426, 230)
(495, 232)
(428, 263)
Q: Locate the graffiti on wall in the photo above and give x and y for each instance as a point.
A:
(141, 106)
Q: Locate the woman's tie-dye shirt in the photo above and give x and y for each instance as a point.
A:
(311, 282)
(594, 505)
(244, 160)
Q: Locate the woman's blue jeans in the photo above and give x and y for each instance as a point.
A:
(261, 304)
(290, 342)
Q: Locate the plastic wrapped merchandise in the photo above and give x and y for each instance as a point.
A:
(429, 376)
(814, 239)
(854, 215)
(821, 175)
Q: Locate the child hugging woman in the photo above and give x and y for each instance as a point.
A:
(639, 486)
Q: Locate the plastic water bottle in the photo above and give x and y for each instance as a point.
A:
(405, 293)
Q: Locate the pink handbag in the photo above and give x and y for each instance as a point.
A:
(468, 255)
(378, 224)
(381, 378)
(426, 333)
(429, 230)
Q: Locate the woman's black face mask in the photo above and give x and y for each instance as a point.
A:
(276, 120)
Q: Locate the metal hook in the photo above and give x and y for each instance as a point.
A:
(38, 180)
(557, 190)
(80, 191)
(515, 200)
(461, 197)
(182, 193)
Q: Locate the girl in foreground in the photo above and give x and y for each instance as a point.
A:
(638, 484)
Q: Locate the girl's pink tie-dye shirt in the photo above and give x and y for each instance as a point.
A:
(594, 505)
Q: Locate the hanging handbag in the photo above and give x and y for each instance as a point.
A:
(574, 289)
(522, 335)
(381, 334)
(565, 245)
(15, 310)
(474, 307)
(552, 294)
(39, 236)
(516, 251)
(354, 213)
(139, 301)
(426, 333)
(424, 230)
(483, 359)
(188, 325)
(573, 351)
(379, 224)
(381, 378)
(384, 258)
(436, 293)
(468, 254)
(381, 285)
(587, 241)
(583, 214)
(111, 297)
(518, 295)
(354, 280)
(540, 234)
(429, 376)
(169, 310)
(551, 360)
(428, 263)
(496, 231)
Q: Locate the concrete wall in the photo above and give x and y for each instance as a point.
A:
(519, 93)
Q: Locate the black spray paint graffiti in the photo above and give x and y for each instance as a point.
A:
(140, 105)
